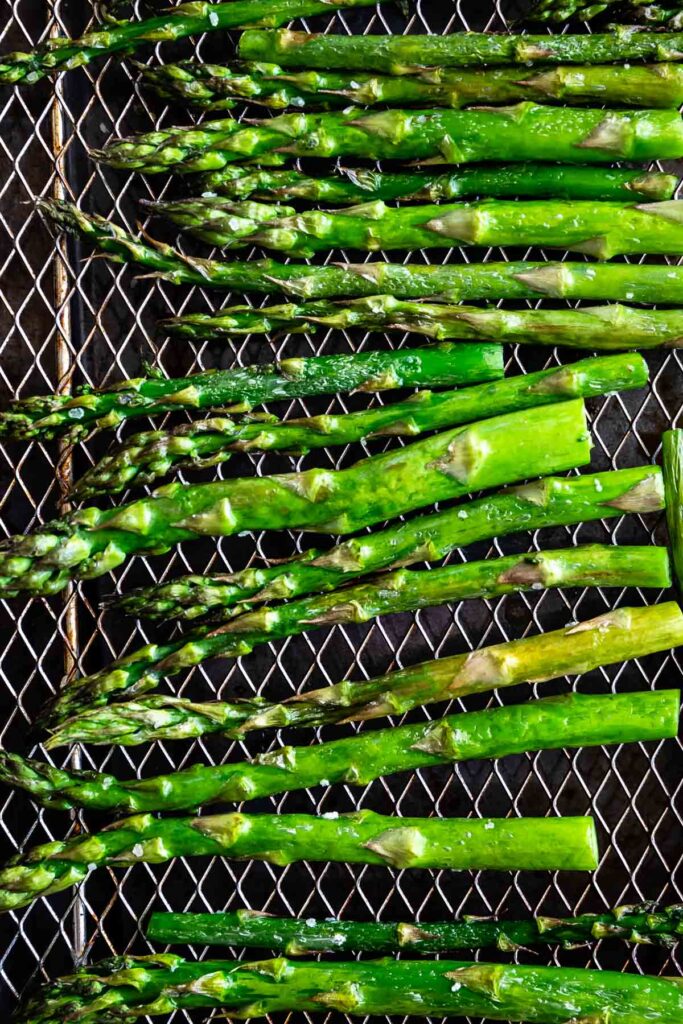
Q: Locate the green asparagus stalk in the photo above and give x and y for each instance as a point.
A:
(616, 636)
(672, 459)
(399, 591)
(601, 230)
(640, 923)
(522, 132)
(89, 542)
(501, 844)
(563, 10)
(129, 987)
(217, 87)
(559, 501)
(611, 328)
(398, 55)
(509, 181)
(239, 390)
(187, 19)
(144, 458)
(647, 283)
(551, 724)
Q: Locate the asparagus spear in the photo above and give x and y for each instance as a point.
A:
(145, 457)
(611, 328)
(550, 502)
(551, 724)
(402, 590)
(563, 10)
(511, 180)
(649, 283)
(502, 844)
(89, 542)
(130, 986)
(175, 23)
(601, 230)
(640, 923)
(525, 131)
(397, 55)
(217, 87)
(672, 453)
(617, 636)
(238, 390)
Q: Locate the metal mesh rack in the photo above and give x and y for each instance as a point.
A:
(65, 319)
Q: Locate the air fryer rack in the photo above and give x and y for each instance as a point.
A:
(66, 319)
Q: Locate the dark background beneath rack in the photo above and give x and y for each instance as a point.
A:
(103, 331)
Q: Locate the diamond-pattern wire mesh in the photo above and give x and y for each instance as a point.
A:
(65, 319)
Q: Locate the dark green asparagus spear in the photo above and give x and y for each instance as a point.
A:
(89, 542)
(397, 55)
(187, 19)
(571, 721)
(627, 10)
(359, 185)
(217, 87)
(144, 458)
(641, 923)
(239, 390)
(617, 636)
(523, 132)
(402, 590)
(648, 283)
(610, 328)
(672, 460)
(131, 987)
(601, 230)
(503, 844)
(559, 501)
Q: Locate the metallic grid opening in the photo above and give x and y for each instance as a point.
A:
(65, 319)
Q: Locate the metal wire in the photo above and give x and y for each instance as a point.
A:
(65, 319)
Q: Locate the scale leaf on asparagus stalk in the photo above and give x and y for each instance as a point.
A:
(574, 720)
(614, 637)
(89, 542)
(635, 282)
(522, 132)
(188, 19)
(363, 837)
(145, 457)
(398, 55)
(600, 230)
(608, 328)
(132, 987)
(639, 923)
(399, 591)
(554, 501)
(239, 390)
(219, 87)
(359, 185)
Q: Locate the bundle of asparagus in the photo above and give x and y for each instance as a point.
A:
(640, 282)
(616, 636)
(90, 542)
(545, 503)
(522, 132)
(217, 87)
(399, 55)
(550, 724)
(160, 984)
(611, 328)
(145, 457)
(601, 230)
(499, 844)
(58, 54)
(239, 390)
(402, 590)
(639, 923)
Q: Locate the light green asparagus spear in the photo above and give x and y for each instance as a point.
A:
(616, 636)
(672, 453)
